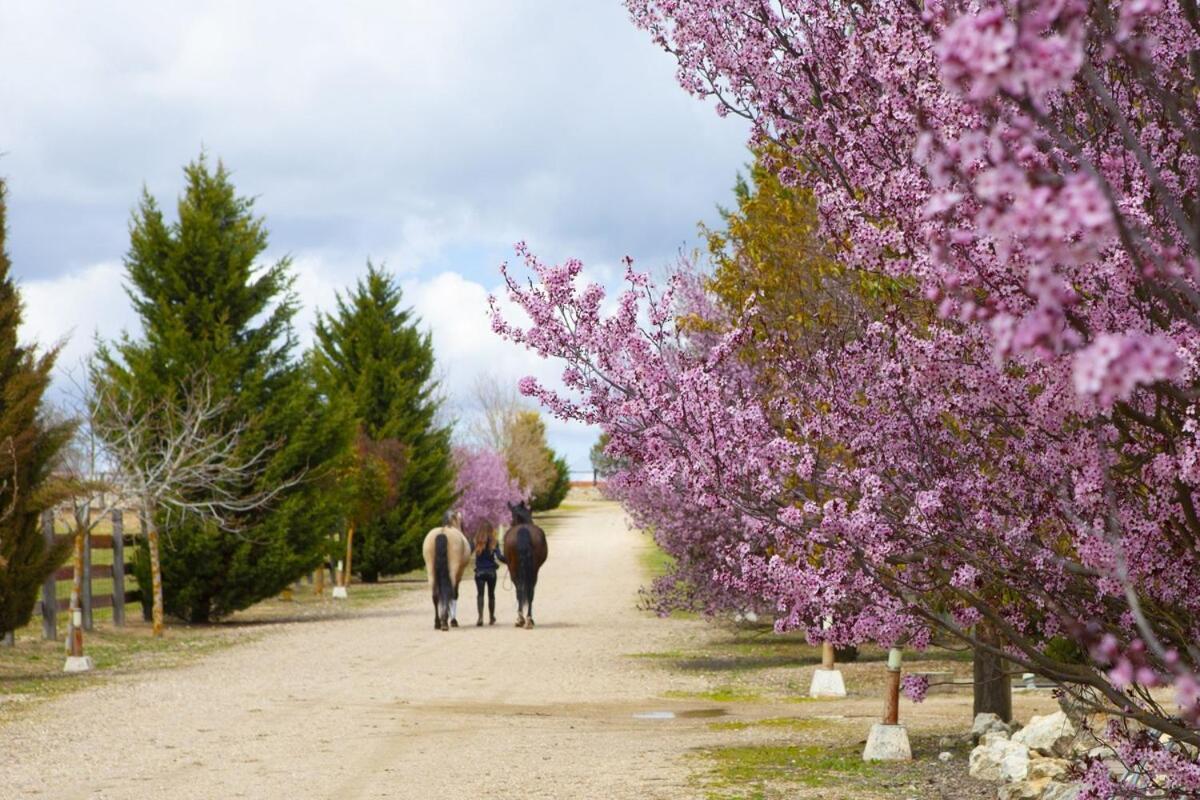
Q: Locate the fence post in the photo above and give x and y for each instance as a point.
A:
(147, 611)
(118, 567)
(888, 741)
(49, 590)
(86, 599)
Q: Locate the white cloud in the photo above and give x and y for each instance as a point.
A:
(365, 127)
(456, 312)
(73, 309)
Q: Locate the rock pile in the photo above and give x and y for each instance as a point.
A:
(1033, 763)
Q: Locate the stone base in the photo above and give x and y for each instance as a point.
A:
(887, 743)
(78, 664)
(827, 683)
(339, 593)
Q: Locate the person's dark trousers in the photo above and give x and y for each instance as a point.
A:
(487, 579)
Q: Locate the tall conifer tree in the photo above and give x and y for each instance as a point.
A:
(28, 446)
(373, 352)
(207, 305)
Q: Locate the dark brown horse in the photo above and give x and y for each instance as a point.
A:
(525, 551)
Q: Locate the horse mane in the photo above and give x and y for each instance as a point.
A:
(521, 513)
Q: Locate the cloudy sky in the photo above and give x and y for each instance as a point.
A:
(428, 135)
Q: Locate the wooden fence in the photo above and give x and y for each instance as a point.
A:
(117, 542)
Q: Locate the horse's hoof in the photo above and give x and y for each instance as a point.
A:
(453, 623)
(493, 621)
(520, 622)
(529, 624)
(445, 627)
(479, 624)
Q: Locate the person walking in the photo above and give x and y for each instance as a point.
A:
(487, 560)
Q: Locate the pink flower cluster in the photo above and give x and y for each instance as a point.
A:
(915, 687)
(1114, 365)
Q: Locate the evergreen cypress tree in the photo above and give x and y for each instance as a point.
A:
(29, 444)
(557, 492)
(373, 352)
(207, 307)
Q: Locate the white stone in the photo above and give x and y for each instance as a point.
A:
(999, 760)
(1052, 734)
(1050, 768)
(78, 664)
(945, 756)
(994, 736)
(1023, 790)
(339, 593)
(988, 723)
(1062, 791)
(827, 683)
(887, 743)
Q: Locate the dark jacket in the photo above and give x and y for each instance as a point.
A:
(486, 561)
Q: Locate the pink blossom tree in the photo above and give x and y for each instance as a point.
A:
(1020, 465)
(904, 484)
(485, 488)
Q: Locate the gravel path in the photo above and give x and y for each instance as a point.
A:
(385, 707)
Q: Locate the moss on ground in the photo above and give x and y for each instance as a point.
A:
(719, 694)
(750, 771)
(777, 723)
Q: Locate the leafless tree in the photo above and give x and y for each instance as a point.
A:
(89, 493)
(497, 405)
(179, 455)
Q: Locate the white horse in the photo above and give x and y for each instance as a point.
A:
(446, 552)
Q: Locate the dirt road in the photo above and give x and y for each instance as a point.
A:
(385, 707)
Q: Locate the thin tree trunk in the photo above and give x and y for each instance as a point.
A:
(993, 687)
(349, 555)
(319, 581)
(155, 571)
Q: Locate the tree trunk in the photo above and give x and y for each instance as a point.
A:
(349, 555)
(156, 613)
(993, 687)
(319, 581)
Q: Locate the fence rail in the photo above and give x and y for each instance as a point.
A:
(51, 604)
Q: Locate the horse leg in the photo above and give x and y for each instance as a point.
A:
(520, 605)
(437, 618)
(529, 601)
(454, 611)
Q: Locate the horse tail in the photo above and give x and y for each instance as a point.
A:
(526, 565)
(441, 569)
